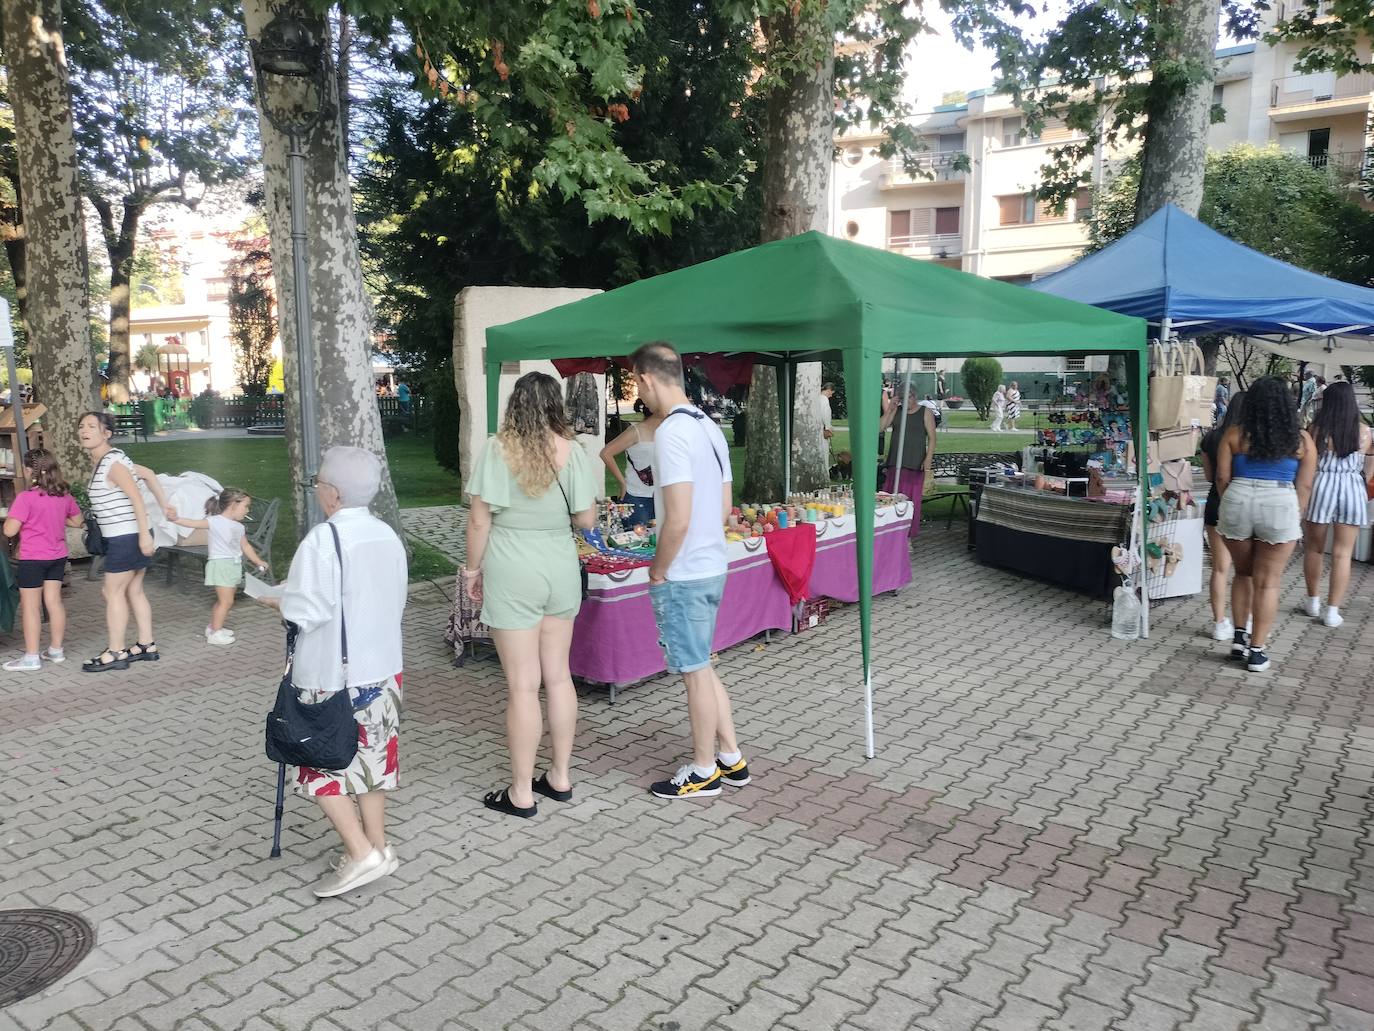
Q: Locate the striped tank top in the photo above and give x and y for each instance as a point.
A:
(1338, 492)
(111, 506)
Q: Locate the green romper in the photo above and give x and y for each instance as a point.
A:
(530, 567)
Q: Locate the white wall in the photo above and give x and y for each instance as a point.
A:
(476, 309)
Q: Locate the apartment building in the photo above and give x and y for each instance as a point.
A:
(985, 219)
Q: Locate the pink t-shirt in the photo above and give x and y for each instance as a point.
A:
(44, 518)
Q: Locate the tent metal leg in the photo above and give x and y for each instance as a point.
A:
(785, 386)
(868, 716)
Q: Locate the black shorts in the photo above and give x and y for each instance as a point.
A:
(122, 554)
(34, 571)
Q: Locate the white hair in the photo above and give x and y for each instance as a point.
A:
(354, 472)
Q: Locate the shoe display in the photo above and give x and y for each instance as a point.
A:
(1222, 631)
(737, 775)
(1257, 662)
(24, 664)
(687, 783)
(352, 873)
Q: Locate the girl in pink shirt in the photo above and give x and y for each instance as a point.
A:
(41, 515)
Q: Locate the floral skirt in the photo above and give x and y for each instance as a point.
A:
(377, 766)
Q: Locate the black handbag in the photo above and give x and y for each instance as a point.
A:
(322, 736)
(95, 537)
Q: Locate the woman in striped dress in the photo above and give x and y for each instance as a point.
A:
(1339, 497)
(1013, 405)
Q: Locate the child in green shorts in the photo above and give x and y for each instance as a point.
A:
(224, 516)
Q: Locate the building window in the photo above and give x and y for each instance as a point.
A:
(950, 143)
(1318, 147)
(1011, 131)
(1083, 205)
(1015, 209)
(853, 155)
(928, 364)
(217, 289)
(1218, 92)
(1079, 364)
(898, 228)
(946, 221)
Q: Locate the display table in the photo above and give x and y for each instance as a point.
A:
(615, 639)
(1065, 541)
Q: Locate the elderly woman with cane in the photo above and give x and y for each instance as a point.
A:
(345, 593)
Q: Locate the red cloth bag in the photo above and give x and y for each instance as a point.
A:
(793, 554)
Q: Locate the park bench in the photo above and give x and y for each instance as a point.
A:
(950, 471)
(131, 425)
(261, 526)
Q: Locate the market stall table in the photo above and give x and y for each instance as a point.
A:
(1062, 540)
(615, 640)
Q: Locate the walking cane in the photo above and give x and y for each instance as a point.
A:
(281, 798)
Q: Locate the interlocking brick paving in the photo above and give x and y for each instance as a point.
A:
(1060, 831)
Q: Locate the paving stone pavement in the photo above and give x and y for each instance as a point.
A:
(443, 527)
(1061, 831)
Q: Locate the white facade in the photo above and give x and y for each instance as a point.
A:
(981, 221)
(201, 249)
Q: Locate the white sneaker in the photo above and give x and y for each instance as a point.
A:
(352, 874)
(1333, 617)
(24, 664)
(389, 853)
(1311, 607)
(222, 630)
(220, 636)
(1223, 631)
(55, 655)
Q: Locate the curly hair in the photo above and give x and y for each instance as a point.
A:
(1269, 424)
(1337, 423)
(535, 410)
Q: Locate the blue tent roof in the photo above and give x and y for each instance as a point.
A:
(1171, 265)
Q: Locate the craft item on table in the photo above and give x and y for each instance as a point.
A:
(598, 545)
(1154, 556)
(608, 564)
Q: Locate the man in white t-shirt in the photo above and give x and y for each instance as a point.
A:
(687, 578)
(825, 416)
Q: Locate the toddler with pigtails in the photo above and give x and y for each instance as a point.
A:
(228, 546)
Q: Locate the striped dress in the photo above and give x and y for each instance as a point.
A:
(1338, 494)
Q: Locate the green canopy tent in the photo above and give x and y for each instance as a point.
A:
(814, 297)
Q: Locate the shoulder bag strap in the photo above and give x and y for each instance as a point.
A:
(698, 417)
(343, 621)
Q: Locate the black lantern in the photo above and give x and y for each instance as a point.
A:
(290, 55)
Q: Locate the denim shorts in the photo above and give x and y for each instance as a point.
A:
(122, 554)
(685, 611)
(1266, 510)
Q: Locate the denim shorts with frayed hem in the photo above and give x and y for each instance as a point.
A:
(1265, 510)
(685, 611)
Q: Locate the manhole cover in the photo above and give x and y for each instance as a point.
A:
(37, 948)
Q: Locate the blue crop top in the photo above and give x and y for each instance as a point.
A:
(1285, 470)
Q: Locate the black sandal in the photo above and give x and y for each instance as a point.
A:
(542, 787)
(144, 654)
(500, 802)
(118, 660)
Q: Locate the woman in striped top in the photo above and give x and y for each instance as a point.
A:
(117, 505)
(1339, 497)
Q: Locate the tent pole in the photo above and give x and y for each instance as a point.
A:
(863, 373)
(1143, 410)
(785, 389)
(901, 429)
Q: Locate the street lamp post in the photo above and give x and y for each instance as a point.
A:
(290, 55)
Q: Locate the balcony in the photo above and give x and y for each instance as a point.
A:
(926, 245)
(1300, 96)
(1345, 167)
(930, 168)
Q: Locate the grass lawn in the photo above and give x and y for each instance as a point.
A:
(258, 465)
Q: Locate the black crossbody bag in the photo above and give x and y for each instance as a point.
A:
(322, 736)
(95, 537)
(581, 566)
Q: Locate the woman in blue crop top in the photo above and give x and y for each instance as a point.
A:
(1265, 468)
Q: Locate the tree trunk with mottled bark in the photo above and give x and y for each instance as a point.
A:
(1174, 158)
(341, 314)
(796, 179)
(120, 242)
(56, 295)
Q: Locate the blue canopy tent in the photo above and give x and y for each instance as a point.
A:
(1181, 275)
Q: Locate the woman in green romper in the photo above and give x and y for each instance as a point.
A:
(530, 483)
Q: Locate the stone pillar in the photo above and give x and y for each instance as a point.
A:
(476, 308)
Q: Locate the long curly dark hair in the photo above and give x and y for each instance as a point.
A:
(1269, 424)
(1337, 425)
(535, 410)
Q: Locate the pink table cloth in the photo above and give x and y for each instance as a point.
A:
(615, 639)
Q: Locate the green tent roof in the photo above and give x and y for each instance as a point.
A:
(813, 293)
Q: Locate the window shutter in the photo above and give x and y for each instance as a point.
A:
(1009, 210)
(898, 225)
(920, 221)
(946, 221)
(1083, 205)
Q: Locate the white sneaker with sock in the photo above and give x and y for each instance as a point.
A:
(1333, 617)
(1223, 630)
(1312, 607)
